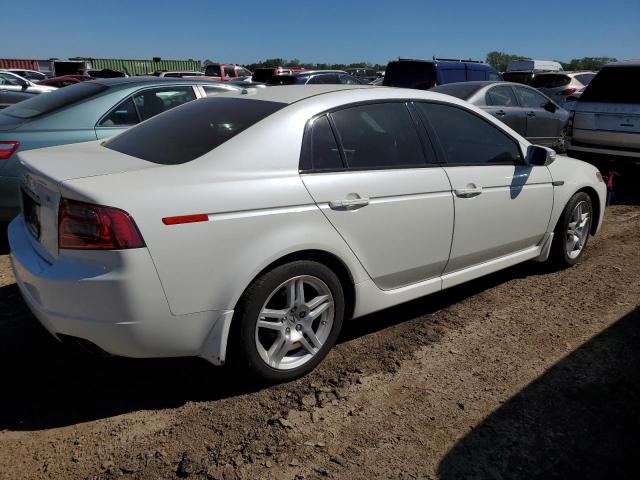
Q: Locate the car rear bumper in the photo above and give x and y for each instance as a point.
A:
(114, 300)
(588, 151)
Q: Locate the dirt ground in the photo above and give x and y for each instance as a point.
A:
(527, 373)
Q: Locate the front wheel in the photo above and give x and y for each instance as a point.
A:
(287, 321)
(572, 232)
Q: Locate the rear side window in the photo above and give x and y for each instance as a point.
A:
(550, 81)
(467, 139)
(330, 79)
(501, 97)
(321, 146)
(612, 85)
(451, 75)
(153, 101)
(585, 78)
(188, 132)
(43, 104)
(378, 136)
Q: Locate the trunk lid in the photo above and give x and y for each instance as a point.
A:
(43, 171)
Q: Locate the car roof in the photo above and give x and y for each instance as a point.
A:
(132, 81)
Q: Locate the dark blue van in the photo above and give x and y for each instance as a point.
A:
(424, 74)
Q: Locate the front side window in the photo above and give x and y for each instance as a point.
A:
(229, 72)
(501, 97)
(468, 139)
(530, 98)
(378, 136)
(157, 100)
(348, 80)
(6, 79)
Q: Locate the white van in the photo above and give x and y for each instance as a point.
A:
(534, 65)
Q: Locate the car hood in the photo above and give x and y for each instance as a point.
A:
(88, 159)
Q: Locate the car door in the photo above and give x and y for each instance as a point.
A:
(502, 205)
(543, 126)
(142, 105)
(502, 103)
(378, 184)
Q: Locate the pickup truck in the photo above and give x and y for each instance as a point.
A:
(219, 72)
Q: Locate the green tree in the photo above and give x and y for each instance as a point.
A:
(499, 60)
(587, 63)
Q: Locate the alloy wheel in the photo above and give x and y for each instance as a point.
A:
(577, 229)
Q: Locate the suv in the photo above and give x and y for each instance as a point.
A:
(560, 85)
(605, 121)
(424, 74)
(219, 72)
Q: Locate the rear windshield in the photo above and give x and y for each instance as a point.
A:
(614, 85)
(191, 130)
(48, 102)
(518, 77)
(460, 90)
(419, 75)
(550, 81)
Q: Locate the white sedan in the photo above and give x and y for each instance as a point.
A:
(246, 228)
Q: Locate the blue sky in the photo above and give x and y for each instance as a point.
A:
(329, 31)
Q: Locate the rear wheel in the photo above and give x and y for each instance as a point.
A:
(572, 232)
(287, 321)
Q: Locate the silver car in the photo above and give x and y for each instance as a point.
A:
(605, 121)
(11, 82)
(560, 85)
(530, 113)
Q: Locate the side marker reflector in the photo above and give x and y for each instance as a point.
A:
(200, 217)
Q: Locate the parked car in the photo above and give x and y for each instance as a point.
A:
(367, 75)
(15, 83)
(559, 86)
(605, 121)
(102, 73)
(87, 111)
(8, 98)
(529, 112)
(160, 73)
(422, 74)
(32, 75)
(263, 75)
(248, 228)
(315, 77)
(224, 72)
(64, 80)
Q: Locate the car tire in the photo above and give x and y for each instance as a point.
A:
(572, 231)
(277, 334)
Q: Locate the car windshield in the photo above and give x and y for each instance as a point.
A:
(614, 85)
(460, 90)
(43, 104)
(191, 130)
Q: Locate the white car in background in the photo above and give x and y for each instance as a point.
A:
(12, 82)
(247, 228)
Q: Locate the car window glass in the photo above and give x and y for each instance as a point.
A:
(324, 79)
(585, 78)
(501, 97)
(6, 79)
(348, 80)
(157, 100)
(378, 136)
(530, 98)
(229, 71)
(494, 76)
(211, 91)
(324, 148)
(242, 72)
(550, 80)
(123, 114)
(467, 139)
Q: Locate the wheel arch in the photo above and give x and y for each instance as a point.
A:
(595, 203)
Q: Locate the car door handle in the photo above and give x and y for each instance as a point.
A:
(501, 113)
(470, 192)
(349, 204)
(531, 114)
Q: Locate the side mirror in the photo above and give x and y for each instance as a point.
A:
(540, 156)
(550, 107)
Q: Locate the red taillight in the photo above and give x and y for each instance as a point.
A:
(568, 91)
(8, 148)
(569, 127)
(93, 227)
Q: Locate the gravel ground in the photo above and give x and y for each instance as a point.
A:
(527, 373)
